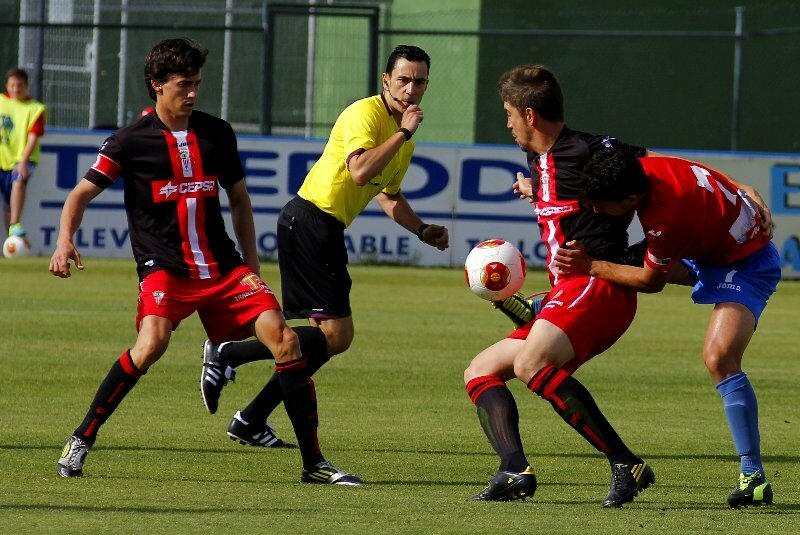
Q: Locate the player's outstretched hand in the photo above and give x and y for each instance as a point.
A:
(523, 188)
(572, 259)
(436, 236)
(59, 262)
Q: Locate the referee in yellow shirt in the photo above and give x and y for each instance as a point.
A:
(366, 157)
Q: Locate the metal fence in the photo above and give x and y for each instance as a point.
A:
(84, 57)
(695, 77)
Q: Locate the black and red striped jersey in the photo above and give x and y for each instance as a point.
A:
(171, 182)
(556, 176)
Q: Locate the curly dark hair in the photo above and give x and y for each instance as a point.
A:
(613, 175)
(408, 52)
(534, 87)
(173, 56)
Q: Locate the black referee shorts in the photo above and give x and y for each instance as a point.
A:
(313, 262)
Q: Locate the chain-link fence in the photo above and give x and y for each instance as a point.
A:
(709, 77)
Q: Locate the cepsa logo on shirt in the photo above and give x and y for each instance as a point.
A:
(172, 190)
(549, 211)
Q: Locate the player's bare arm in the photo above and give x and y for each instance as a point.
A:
(71, 217)
(398, 209)
(367, 165)
(574, 260)
(243, 225)
(22, 165)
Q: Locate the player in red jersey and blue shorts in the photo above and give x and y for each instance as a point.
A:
(581, 316)
(694, 214)
(172, 163)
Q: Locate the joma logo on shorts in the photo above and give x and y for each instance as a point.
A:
(728, 284)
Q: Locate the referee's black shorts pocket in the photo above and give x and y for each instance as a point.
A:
(286, 230)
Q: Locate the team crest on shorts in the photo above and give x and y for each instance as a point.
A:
(158, 295)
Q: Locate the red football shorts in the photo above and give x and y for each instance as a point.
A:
(592, 312)
(227, 305)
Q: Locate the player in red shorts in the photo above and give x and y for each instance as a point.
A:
(696, 215)
(581, 316)
(173, 162)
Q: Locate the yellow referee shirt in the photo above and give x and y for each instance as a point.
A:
(365, 124)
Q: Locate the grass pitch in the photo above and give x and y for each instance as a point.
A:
(392, 409)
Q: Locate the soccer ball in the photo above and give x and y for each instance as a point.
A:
(494, 270)
(16, 246)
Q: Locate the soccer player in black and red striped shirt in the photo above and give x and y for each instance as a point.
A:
(580, 316)
(172, 163)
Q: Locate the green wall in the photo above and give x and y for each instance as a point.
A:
(671, 93)
(450, 102)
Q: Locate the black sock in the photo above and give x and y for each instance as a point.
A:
(300, 401)
(121, 378)
(575, 405)
(313, 346)
(234, 354)
(499, 418)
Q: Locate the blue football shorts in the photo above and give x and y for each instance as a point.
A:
(749, 281)
(7, 179)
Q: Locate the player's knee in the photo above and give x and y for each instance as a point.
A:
(525, 369)
(152, 341)
(720, 364)
(146, 352)
(271, 330)
(713, 355)
(474, 370)
(339, 340)
(711, 360)
(286, 345)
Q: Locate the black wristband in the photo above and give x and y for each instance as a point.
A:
(406, 132)
(421, 229)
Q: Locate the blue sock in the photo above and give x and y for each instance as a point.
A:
(741, 409)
